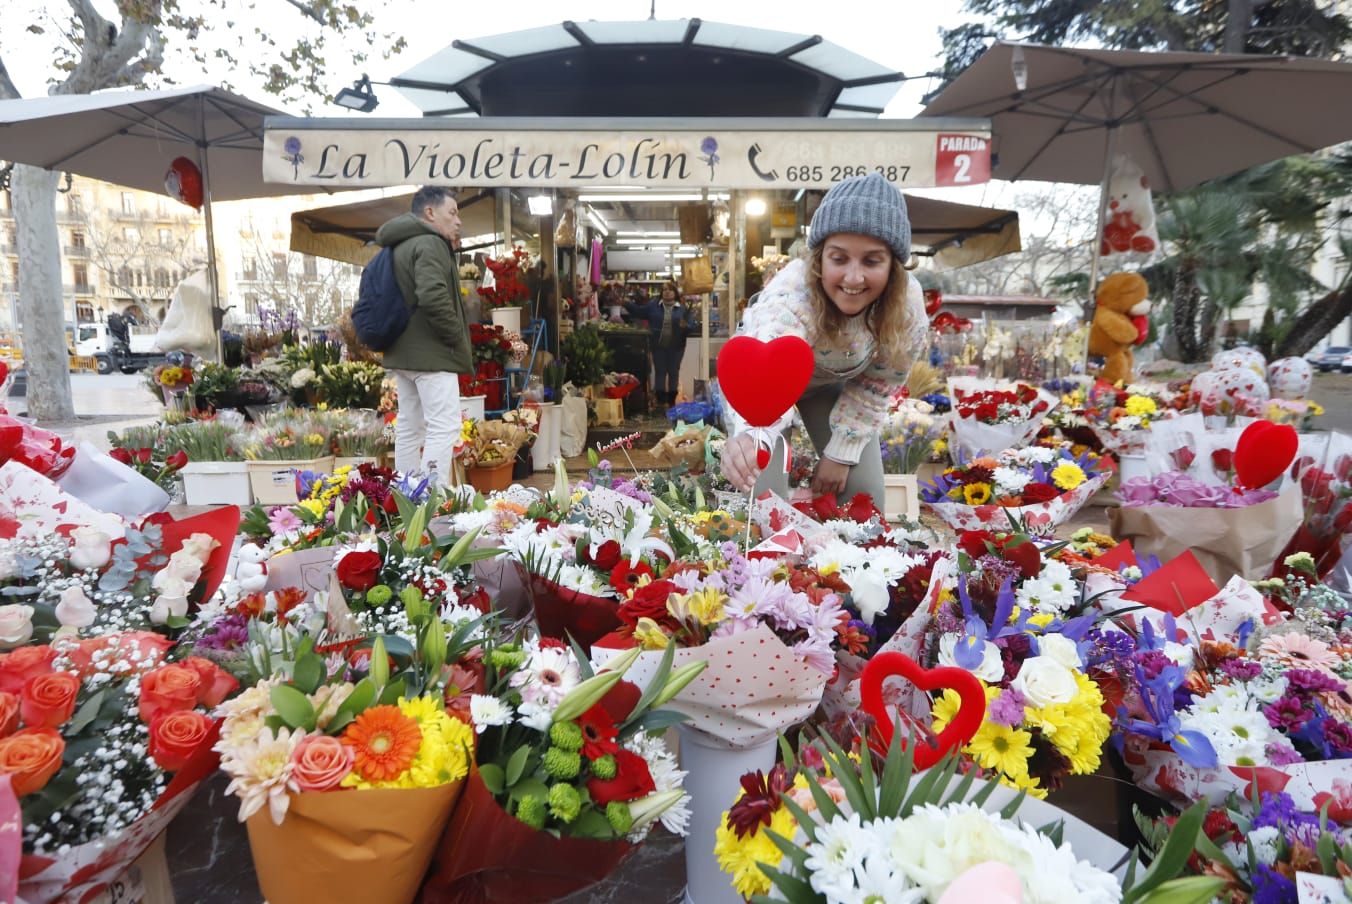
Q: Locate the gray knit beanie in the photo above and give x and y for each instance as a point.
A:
(867, 205)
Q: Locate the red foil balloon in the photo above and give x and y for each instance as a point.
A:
(762, 380)
(183, 182)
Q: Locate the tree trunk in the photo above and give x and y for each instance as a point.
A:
(1316, 322)
(40, 300)
(1238, 16)
(1185, 304)
(1206, 330)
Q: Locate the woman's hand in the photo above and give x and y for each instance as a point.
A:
(830, 477)
(739, 462)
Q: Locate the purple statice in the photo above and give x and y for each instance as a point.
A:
(1306, 682)
(1153, 662)
(946, 621)
(626, 487)
(1271, 887)
(1002, 569)
(1241, 669)
(1287, 714)
(1278, 810)
(1007, 709)
(1281, 754)
(1111, 649)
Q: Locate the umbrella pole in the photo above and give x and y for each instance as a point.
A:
(1099, 222)
(217, 316)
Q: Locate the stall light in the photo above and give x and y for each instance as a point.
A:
(755, 207)
(540, 205)
(684, 255)
(360, 97)
(656, 235)
(654, 197)
(599, 223)
(647, 241)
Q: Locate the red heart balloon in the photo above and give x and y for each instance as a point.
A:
(934, 300)
(183, 182)
(1264, 452)
(762, 380)
(965, 724)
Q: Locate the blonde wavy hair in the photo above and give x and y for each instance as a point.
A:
(888, 319)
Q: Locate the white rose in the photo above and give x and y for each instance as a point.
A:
(90, 548)
(16, 626)
(992, 667)
(1060, 648)
(868, 589)
(199, 546)
(76, 610)
(1044, 681)
(166, 606)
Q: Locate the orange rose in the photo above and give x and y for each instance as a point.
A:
(168, 689)
(176, 736)
(9, 714)
(217, 683)
(127, 653)
(31, 757)
(23, 664)
(320, 762)
(48, 701)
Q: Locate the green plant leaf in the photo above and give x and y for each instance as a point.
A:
(338, 723)
(793, 888)
(516, 764)
(363, 695)
(493, 778)
(1173, 856)
(584, 665)
(87, 712)
(393, 693)
(655, 683)
(530, 786)
(308, 674)
(293, 706)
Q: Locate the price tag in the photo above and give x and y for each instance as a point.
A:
(962, 160)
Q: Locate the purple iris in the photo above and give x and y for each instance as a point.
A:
(1162, 724)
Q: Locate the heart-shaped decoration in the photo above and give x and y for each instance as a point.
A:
(1264, 452)
(971, 709)
(762, 380)
(934, 299)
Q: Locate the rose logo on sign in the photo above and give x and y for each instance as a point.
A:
(962, 160)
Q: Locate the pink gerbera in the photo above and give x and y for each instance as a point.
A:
(282, 520)
(1299, 651)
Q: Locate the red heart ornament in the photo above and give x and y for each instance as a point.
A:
(183, 182)
(762, 380)
(1264, 452)
(966, 722)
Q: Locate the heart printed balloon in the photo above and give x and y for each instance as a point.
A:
(966, 722)
(183, 182)
(1245, 357)
(1233, 389)
(1264, 451)
(1290, 378)
(763, 380)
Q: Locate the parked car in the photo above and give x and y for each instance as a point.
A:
(1331, 358)
(1346, 365)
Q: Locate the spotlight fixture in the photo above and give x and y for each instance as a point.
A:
(540, 205)
(755, 207)
(359, 97)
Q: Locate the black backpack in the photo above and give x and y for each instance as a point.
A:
(380, 315)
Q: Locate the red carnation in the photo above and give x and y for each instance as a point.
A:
(1039, 492)
(632, 780)
(607, 555)
(1026, 556)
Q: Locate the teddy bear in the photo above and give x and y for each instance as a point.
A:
(1129, 220)
(1119, 323)
(251, 568)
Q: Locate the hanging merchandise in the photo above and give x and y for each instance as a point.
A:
(1129, 219)
(565, 233)
(697, 275)
(183, 182)
(595, 268)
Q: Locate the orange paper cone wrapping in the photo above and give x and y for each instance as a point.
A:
(488, 856)
(371, 845)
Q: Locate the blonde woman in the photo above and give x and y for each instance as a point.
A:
(851, 299)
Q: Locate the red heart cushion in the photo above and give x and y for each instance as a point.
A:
(762, 380)
(1264, 452)
(965, 724)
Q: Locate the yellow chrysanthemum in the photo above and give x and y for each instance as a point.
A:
(976, 493)
(315, 507)
(1002, 748)
(1141, 406)
(743, 857)
(1068, 475)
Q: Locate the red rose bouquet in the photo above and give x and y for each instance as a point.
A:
(989, 421)
(507, 286)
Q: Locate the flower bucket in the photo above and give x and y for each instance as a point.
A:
(353, 461)
(901, 496)
(486, 480)
(216, 483)
(508, 318)
(546, 447)
(472, 407)
(274, 482)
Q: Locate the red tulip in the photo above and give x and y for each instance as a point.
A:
(143, 455)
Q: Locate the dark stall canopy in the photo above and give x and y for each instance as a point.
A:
(683, 67)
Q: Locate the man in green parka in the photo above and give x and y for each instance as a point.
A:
(427, 359)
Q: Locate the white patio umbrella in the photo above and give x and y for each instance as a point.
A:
(131, 137)
(1060, 113)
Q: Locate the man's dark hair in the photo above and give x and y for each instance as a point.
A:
(430, 196)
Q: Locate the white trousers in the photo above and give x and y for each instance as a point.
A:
(428, 425)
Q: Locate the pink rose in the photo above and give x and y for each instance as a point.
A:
(320, 763)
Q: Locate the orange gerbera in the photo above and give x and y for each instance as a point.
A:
(385, 742)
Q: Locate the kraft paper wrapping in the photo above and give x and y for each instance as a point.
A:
(1243, 541)
(84, 872)
(561, 612)
(753, 688)
(487, 856)
(372, 845)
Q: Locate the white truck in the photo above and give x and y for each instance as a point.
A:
(117, 345)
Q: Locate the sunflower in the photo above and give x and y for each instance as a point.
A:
(976, 493)
(385, 741)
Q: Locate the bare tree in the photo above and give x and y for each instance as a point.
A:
(317, 289)
(93, 52)
(136, 257)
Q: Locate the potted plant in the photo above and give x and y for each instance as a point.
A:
(215, 386)
(491, 451)
(492, 350)
(504, 288)
(907, 439)
(586, 356)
